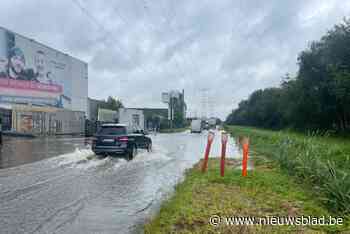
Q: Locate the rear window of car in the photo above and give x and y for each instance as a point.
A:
(112, 131)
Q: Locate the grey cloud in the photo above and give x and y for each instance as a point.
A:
(115, 60)
(233, 47)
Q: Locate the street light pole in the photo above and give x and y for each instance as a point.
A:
(171, 112)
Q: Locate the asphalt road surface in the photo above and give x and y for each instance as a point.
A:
(78, 193)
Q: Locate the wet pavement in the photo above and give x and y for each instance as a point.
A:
(78, 193)
(18, 151)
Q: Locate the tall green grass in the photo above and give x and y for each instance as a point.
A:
(316, 159)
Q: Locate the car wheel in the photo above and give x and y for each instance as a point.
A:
(149, 147)
(100, 156)
(131, 153)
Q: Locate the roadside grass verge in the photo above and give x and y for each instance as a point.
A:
(172, 130)
(318, 161)
(264, 192)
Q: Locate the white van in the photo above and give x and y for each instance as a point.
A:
(196, 126)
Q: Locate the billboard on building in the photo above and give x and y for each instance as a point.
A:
(33, 73)
(165, 97)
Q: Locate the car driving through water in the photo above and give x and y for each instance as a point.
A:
(114, 140)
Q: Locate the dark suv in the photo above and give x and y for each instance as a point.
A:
(113, 139)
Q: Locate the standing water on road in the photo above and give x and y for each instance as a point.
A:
(18, 151)
(78, 193)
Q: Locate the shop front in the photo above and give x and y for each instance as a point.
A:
(31, 119)
(6, 118)
(46, 120)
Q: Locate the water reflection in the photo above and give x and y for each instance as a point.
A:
(18, 151)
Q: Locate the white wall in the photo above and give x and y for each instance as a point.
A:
(79, 76)
(126, 117)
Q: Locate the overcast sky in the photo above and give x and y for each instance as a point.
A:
(138, 48)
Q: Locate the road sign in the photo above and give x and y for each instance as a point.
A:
(174, 94)
(165, 97)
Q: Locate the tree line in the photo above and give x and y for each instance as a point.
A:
(111, 103)
(318, 97)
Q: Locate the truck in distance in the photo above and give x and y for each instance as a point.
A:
(196, 126)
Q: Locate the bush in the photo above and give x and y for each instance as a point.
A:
(314, 159)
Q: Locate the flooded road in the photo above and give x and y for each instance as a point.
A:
(18, 151)
(78, 193)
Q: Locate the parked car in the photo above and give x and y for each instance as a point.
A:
(114, 140)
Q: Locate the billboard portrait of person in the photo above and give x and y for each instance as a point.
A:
(3, 54)
(40, 66)
(3, 67)
(17, 64)
(51, 78)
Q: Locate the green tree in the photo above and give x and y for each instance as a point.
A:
(317, 98)
(112, 104)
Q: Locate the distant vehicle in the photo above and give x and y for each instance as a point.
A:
(114, 140)
(196, 126)
(212, 123)
(134, 119)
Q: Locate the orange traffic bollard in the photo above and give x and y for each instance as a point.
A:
(224, 138)
(207, 151)
(245, 157)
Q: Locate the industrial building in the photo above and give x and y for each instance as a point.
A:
(99, 113)
(154, 118)
(135, 118)
(42, 90)
(176, 107)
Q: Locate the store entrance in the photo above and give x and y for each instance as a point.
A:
(6, 116)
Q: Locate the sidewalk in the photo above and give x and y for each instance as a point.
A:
(17, 134)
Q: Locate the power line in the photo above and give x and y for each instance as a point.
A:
(147, 10)
(203, 103)
(116, 10)
(106, 32)
(110, 35)
(150, 27)
(171, 28)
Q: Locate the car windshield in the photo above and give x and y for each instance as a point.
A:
(112, 131)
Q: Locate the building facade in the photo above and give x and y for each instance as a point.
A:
(177, 108)
(99, 113)
(134, 119)
(155, 118)
(42, 90)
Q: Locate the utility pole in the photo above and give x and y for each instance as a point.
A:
(172, 98)
(204, 105)
(171, 111)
